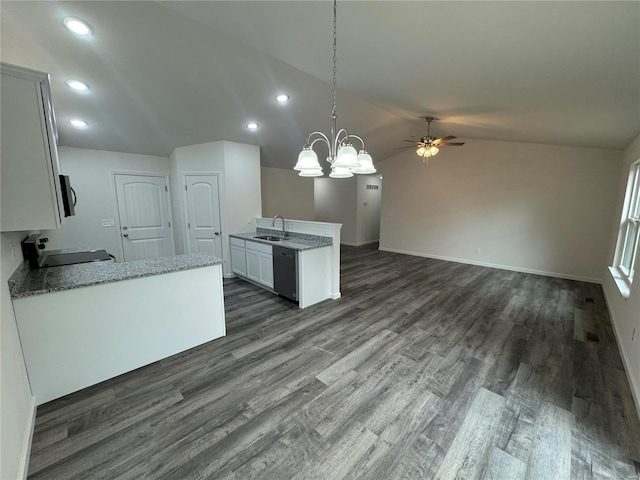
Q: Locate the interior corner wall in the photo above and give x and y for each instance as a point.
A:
(528, 207)
(625, 313)
(286, 193)
(335, 201)
(369, 201)
(17, 408)
(90, 172)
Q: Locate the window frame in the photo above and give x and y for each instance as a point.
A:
(628, 242)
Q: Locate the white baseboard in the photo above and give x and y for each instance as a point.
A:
(358, 244)
(635, 389)
(28, 437)
(335, 296)
(493, 265)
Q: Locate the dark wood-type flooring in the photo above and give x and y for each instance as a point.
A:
(424, 369)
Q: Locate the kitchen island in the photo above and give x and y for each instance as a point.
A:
(83, 324)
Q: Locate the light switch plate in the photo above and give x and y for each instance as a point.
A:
(108, 222)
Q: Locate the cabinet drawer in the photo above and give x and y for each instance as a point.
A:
(237, 242)
(259, 247)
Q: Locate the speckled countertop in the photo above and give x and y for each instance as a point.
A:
(296, 241)
(25, 282)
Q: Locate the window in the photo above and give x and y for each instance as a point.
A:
(629, 234)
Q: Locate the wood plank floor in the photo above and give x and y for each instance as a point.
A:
(424, 369)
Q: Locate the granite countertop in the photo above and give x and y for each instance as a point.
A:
(295, 241)
(25, 282)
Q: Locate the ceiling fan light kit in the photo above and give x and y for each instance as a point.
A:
(429, 146)
(344, 159)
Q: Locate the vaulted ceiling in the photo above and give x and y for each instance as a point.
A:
(169, 74)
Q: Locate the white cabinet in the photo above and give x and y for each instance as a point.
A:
(260, 263)
(252, 260)
(238, 257)
(30, 194)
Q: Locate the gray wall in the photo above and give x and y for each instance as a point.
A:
(529, 207)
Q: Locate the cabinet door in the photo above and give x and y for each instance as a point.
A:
(30, 190)
(238, 261)
(253, 265)
(266, 270)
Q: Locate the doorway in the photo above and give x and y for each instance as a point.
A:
(144, 216)
(204, 233)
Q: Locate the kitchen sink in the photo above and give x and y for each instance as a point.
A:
(270, 238)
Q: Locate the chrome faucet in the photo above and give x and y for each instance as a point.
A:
(273, 224)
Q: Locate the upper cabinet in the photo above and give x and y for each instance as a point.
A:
(30, 193)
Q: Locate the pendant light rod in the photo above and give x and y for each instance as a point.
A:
(342, 157)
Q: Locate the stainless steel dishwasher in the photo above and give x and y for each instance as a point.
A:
(285, 272)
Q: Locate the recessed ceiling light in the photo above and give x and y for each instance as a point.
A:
(282, 98)
(77, 26)
(77, 85)
(252, 126)
(78, 123)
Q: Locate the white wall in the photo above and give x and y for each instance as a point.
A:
(240, 203)
(287, 194)
(534, 208)
(90, 172)
(625, 313)
(17, 404)
(335, 201)
(242, 189)
(369, 202)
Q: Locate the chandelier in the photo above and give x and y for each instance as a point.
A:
(343, 158)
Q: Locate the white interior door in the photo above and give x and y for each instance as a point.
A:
(145, 219)
(203, 214)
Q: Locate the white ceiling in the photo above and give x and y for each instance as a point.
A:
(170, 74)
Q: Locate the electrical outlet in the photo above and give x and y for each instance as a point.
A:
(477, 251)
(633, 335)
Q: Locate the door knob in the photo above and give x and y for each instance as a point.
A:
(124, 228)
(216, 233)
(126, 235)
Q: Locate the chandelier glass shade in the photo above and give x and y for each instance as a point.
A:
(344, 159)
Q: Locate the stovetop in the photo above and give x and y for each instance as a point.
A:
(56, 258)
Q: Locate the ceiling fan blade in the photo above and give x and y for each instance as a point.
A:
(412, 141)
(454, 144)
(402, 148)
(448, 137)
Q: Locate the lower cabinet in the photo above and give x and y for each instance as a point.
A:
(252, 260)
(260, 263)
(239, 260)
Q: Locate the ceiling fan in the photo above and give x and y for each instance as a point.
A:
(429, 145)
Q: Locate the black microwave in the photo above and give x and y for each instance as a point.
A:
(69, 198)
